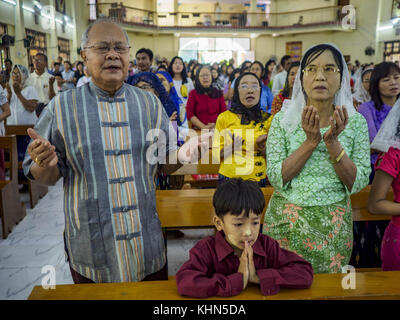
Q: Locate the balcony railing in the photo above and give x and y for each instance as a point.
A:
(225, 20)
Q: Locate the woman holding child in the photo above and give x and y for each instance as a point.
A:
(318, 154)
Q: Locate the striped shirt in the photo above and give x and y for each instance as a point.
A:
(112, 229)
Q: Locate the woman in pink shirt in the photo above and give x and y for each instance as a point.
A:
(205, 103)
(387, 175)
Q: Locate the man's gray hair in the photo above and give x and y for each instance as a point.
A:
(85, 35)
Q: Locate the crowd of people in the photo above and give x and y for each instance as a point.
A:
(317, 130)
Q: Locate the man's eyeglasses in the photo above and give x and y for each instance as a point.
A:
(105, 48)
(247, 87)
(327, 70)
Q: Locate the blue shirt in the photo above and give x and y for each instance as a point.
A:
(266, 99)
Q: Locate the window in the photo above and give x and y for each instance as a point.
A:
(209, 50)
(4, 51)
(93, 9)
(64, 49)
(38, 44)
(392, 51)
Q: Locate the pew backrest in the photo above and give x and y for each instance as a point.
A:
(193, 208)
(9, 143)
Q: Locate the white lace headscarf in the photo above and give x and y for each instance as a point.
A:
(293, 108)
(24, 74)
(360, 94)
(388, 135)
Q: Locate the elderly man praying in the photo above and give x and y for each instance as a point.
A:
(97, 138)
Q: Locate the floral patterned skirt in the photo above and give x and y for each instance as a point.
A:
(323, 235)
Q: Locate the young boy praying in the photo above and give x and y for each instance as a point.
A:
(223, 265)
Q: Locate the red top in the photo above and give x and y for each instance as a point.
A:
(203, 107)
(389, 162)
(212, 269)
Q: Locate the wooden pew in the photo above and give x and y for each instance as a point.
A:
(369, 286)
(36, 190)
(189, 208)
(193, 208)
(11, 209)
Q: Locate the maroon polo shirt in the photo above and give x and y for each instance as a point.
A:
(212, 269)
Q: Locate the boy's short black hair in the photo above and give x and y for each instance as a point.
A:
(146, 51)
(237, 195)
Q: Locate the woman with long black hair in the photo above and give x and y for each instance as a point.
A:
(182, 83)
(269, 67)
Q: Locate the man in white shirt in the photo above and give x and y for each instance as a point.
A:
(42, 81)
(280, 78)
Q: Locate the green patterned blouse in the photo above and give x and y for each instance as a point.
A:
(317, 183)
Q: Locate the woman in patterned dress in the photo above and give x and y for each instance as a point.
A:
(317, 155)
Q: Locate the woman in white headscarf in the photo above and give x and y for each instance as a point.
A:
(23, 99)
(317, 155)
(361, 94)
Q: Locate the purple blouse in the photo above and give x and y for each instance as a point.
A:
(374, 119)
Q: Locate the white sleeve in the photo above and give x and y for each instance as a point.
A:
(55, 87)
(80, 82)
(277, 84)
(30, 93)
(3, 96)
(190, 85)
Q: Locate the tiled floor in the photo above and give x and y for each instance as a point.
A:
(37, 241)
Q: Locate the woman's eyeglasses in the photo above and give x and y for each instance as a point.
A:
(145, 87)
(247, 87)
(326, 70)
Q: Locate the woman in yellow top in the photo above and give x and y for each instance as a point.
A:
(241, 132)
